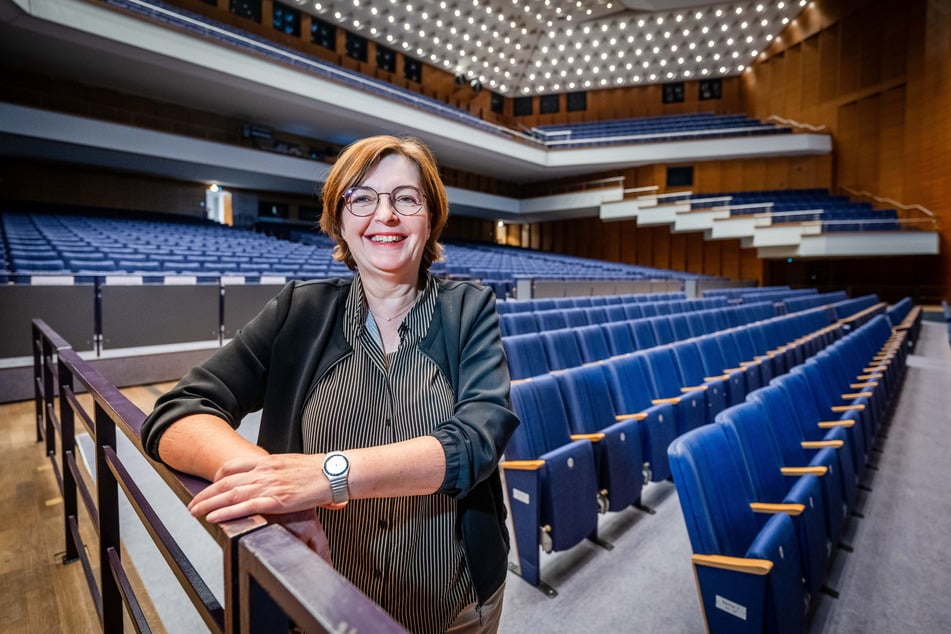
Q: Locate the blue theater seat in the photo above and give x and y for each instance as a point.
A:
(838, 477)
(525, 355)
(691, 405)
(617, 443)
(561, 348)
(715, 366)
(772, 481)
(663, 331)
(594, 345)
(748, 571)
(643, 333)
(632, 395)
(693, 376)
(619, 336)
(551, 479)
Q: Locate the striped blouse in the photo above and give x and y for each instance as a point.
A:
(404, 553)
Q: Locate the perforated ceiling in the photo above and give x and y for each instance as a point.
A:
(524, 47)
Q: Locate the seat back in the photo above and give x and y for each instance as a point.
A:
(561, 348)
(619, 337)
(594, 346)
(543, 419)
(525, 355)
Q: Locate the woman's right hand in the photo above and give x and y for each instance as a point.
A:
(263, 484)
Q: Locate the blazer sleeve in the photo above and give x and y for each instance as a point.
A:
(482, 422)
(230, 384)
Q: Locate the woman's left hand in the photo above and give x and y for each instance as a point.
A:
(306, 526)
(265, 484)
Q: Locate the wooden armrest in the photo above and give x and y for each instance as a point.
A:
(637, 416)
(736, 564)
(789, 509)
(819, 444)
(857, 395)
(684, 390)
(742, 368)
(522, 465)
(516, 381)
(860, 386)
(747, 364)
(838, 409)
(673, 400)
(873, 375)
(722, 377)
(875, 368)
(595, 437)
(801, 471)
(827, 424)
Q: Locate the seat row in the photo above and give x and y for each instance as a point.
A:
(767, 490)
(592, 436)
(581, 301)
(523, 323)
(570, 346)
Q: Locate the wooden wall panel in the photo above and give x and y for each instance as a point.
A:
(678, 251)
(877, 74)
(645, 246)
(628, 233)
(712, 257)
(730, 259)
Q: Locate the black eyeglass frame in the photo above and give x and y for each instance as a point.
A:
(350, 191)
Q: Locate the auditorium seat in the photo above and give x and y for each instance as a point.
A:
(632, 394)
(617, 443)
(773, 480)
(748, 571)
(594, 345)
(690, 405)
(694, 377)
(561, 348)
(620, 337)
(837, 479)
(551, 480)
(525, 356)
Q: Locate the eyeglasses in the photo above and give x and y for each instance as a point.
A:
(362, 201)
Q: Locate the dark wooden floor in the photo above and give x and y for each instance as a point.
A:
(38, 593)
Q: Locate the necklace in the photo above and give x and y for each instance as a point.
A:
(402, 311)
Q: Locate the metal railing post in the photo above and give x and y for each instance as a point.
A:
(37, 343)
(107, 492)
(67, 443)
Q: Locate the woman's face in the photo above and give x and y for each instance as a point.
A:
(387, 244)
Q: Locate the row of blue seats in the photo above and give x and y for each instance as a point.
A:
(555, 318)
(811, 300)
(581, 301)
(534, 354)
(592, 436)
(570, 346)
(767, 490)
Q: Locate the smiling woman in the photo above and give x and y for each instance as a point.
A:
(385, 405)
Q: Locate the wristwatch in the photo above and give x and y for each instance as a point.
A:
(337, 469)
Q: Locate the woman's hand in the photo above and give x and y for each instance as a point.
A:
(305, 526)
(265, 484)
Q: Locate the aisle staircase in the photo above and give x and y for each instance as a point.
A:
(784, 224)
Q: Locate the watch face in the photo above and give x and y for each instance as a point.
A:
(335, 465)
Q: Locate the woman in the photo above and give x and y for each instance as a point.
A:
(385, 406)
